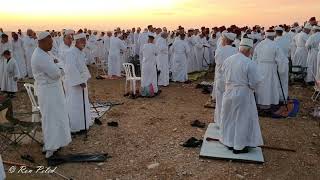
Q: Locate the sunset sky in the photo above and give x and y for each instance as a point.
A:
(108, 14)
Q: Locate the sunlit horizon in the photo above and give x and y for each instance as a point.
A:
(109, 14)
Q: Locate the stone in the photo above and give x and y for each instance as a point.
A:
(239, 176)
(154, 165)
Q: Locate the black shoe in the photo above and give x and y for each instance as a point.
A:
(243, 151)
(113, 124)
(97, 121)
(192, 142)
(198, 124)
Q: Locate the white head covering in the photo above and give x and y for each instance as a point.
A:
(268, 34)
(278, 28)
(308, 26)
(315, 27)
(230, 36)
(79, 36)
(43, 35)
(68, 32)
(246, 42)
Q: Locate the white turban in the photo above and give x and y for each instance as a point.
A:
(68, 32)
(278, 28)
(230, 36)
(308, 26)
(79, 36)
(246, 42)
(43, 35)
(270, 34)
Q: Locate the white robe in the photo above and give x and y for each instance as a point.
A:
(239, 117)
(163, 61)
(301, 54)
(222, 54)
(29, 45)
(19, 56)
(284, 44)
(114, 59)
(180, 49)
(11, 71)
(269, 57)
(149, 71)
(136, 44)
(3, 47)
(2, 172)
(192, 61)
(312, 64)
(293, 46)
(76, 73)
(143, 39)
(106, 44)
(54, 115)
(202, 53)
(62, 57)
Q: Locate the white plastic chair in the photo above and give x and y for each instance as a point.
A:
(316, 88)
(130, 76)
(35, 107)
(101, 66)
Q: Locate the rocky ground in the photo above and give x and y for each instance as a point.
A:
(147, 143)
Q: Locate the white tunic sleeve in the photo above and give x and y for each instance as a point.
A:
(50, 69)
(254, 77)
(73, 70)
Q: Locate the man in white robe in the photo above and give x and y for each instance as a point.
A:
(29, 44)
(192, 61)
(312, 47)
(76, 78)
(202, 52)
(136, 42)
(149, 85)
(4, 45)
(284, 44)
(222, 54)
(106, 43)
(180, 49)
(19, 55)
(301, 54)
(11, 74)
(143, 39)
(269, 58)
(114, 58)
(54, 115)
(163, 59)
(240, 127)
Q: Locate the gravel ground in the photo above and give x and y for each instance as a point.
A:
(147, 143)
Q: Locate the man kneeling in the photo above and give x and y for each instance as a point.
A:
(240, 127)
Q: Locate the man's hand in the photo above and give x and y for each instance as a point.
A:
(83, 85)
(55, 61)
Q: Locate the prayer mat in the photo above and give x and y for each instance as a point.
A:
(98, 109)
(216, 150)
(292, 111)
(197, 75)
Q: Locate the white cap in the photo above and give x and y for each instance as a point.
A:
(79, 36)
(68, 32)
(278, 28)
(246, 42)
(230, 36)
(268, 34)
(308, 26)
(315, 27)
(43, 35)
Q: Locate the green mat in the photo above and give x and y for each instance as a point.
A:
(196, 75)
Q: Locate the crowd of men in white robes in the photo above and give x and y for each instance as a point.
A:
(251, 68)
